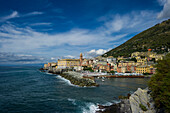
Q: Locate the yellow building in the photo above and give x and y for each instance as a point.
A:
(135, 54)
(68, 63)
(142, 69)
(159, 57)
(45, 66)
(53, 64)
(143, 61)
(121, 58)
(152, 55)
(56, 67)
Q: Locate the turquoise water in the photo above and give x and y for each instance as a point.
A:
(25, 89)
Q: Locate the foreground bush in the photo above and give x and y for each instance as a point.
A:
(160, 84)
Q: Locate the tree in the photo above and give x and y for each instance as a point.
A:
(88, 69)
(160, 84)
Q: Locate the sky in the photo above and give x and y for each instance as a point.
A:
(40, 31)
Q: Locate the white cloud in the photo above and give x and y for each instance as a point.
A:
(41, 24)
(162, 2)
(115, 25)
(94, 53)
(114, 28)
(11, 58)
(165, 13)
(33, 13)
(52, 58)
(98, 52)
(14, 14)
(26, 39)
(69, 56)
(127, 23)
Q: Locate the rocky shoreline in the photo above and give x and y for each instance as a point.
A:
(74, 77)
(139, 102)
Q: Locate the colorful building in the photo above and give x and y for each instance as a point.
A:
(45, 66)
(145, 69)
(68, 63)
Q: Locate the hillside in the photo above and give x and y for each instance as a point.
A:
(156, 38)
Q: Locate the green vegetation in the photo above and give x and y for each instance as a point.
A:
(124, 97)
(143, 107)
(146, 73)
(156, 38)
(132, 59)
(85, 68)
(160, 84)
(111, 72)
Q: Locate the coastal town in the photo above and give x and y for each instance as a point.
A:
(138, 64)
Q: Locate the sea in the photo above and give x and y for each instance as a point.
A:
(24, 89)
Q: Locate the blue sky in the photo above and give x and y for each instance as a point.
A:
(35, 31)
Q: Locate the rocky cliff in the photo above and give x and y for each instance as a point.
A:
(141, 102)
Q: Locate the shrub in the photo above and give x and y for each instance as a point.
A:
(112, 72)
(160, 84)
(143, 107)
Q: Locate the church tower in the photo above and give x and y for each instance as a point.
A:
(81, 59)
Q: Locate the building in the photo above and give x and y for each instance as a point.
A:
(81, 59)
(49, 64)
(145, 69)
(45, 66)
(85, 62)
(159, 57)
(102, 62)
(53, 64)
(111, 59)
(142, 61)
(68, 63)
(142, 69)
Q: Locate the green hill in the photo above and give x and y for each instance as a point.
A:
(156, 38)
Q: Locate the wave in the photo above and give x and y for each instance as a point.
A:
(93, 108)
(116, 101)
(90, 108)
(86, 107)
(107, 104)
(72, 100)
(69, 83)
(47, 73)
(66, 81)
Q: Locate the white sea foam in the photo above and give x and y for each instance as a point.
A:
(50, 99)
(69, 83)
(48, 73)
(116, 101)
(72, 100)
(66, 81)
(90, 108)
(107, 104)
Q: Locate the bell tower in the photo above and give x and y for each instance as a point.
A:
(81, 59)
